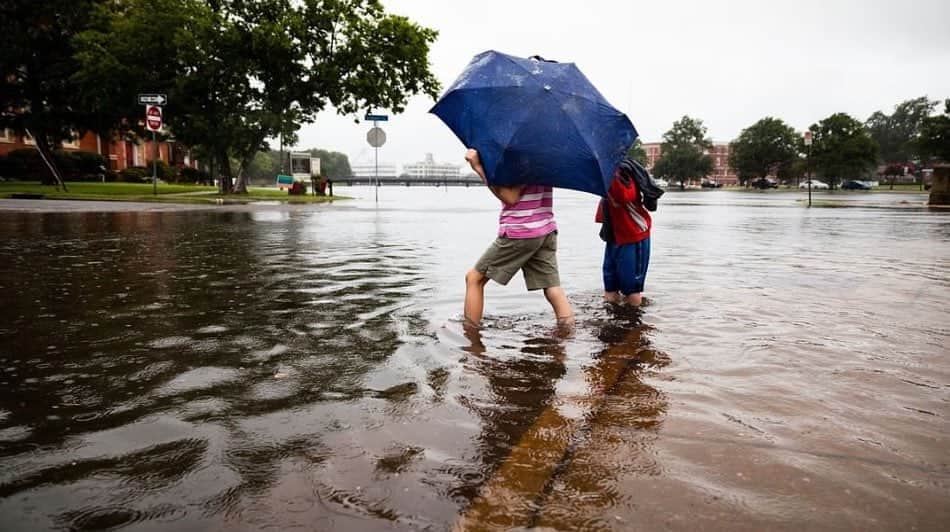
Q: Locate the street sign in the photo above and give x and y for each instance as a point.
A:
(376, 137)
(153, 117)
(807, 138)
(153, 99)
(376, 118)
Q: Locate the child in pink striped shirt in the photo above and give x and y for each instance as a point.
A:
(527, 241)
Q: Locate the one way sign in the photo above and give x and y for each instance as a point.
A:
(152, 99)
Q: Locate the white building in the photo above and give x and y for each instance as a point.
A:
(369, 169)
(430, 168)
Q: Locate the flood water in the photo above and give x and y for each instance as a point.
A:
(304, 368)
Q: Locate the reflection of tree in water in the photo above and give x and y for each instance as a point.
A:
(217, 320)
(561, 472)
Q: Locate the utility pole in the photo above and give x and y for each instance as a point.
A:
(808, 163)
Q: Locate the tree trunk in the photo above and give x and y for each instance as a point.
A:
(240, 186)
(225, 164)
(46, 153)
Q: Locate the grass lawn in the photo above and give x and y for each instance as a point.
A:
(144, 192)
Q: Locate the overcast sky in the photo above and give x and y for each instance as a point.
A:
(728, 63)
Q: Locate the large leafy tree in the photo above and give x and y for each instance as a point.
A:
(684, 152)
(762, 148)
(243, 71)
(897, 133)
(638, 153)
(38, 96)
(266, 164)
(842, 148)
(333, 163)
(935, 135)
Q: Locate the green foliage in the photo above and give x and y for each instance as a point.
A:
(762, 148)
(193, 175)
(793, 170)
(935, 135)
(842, 148)
(135, 174)
(683, 153)
(163, 170)
(637, 153)
(37, 91)
(238, 72)
(26, 163)
(332, 163)
(897, 134)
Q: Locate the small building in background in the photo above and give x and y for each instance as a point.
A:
(119, 152)
(364, 169)
(431, 169)
(721, 173)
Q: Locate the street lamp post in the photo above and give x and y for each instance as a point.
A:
(808, 163)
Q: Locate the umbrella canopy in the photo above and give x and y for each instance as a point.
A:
(536, 121)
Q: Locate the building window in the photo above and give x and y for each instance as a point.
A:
(6, 135)
(73, 143)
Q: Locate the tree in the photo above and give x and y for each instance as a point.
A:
(637, 153)
(762, 148)
(896, 134)
(893, 170)
(935, 135)
(842, 148)
(37, 94)
(683, 153)
(332, 163)
(239, 72)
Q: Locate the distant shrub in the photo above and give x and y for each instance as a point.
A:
(135, 174)
(163, 170)
(193, 175)
(26, 164)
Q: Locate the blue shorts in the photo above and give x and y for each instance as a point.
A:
(625, 267)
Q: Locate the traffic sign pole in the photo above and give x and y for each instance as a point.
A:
(154, 165)
(376, 138)
(153, 121)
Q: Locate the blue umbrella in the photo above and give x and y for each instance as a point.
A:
(536, 121)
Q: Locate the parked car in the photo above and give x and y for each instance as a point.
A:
(660, 182)
(711, 184)
(815, 184)
(855, 185)
(764, 183)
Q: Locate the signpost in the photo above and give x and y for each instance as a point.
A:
(807, 141)
(153, 99)
(153, 122)
(376, 138)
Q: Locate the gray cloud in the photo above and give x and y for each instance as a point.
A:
(726, 62)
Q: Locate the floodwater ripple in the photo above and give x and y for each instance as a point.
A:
(307, 369)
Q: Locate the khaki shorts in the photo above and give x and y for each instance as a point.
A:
(536, 257)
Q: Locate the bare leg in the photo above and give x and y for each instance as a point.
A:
(562, 307)
(474, 296)
(635, 300)
(612, 297)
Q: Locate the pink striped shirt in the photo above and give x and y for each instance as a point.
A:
(531, 217)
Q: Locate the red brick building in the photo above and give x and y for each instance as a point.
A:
(119, 153)
(721, 173)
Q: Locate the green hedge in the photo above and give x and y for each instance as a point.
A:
(26, 164)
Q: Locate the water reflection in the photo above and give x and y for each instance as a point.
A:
(303, 368)
(131, 326)
(557, 466)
